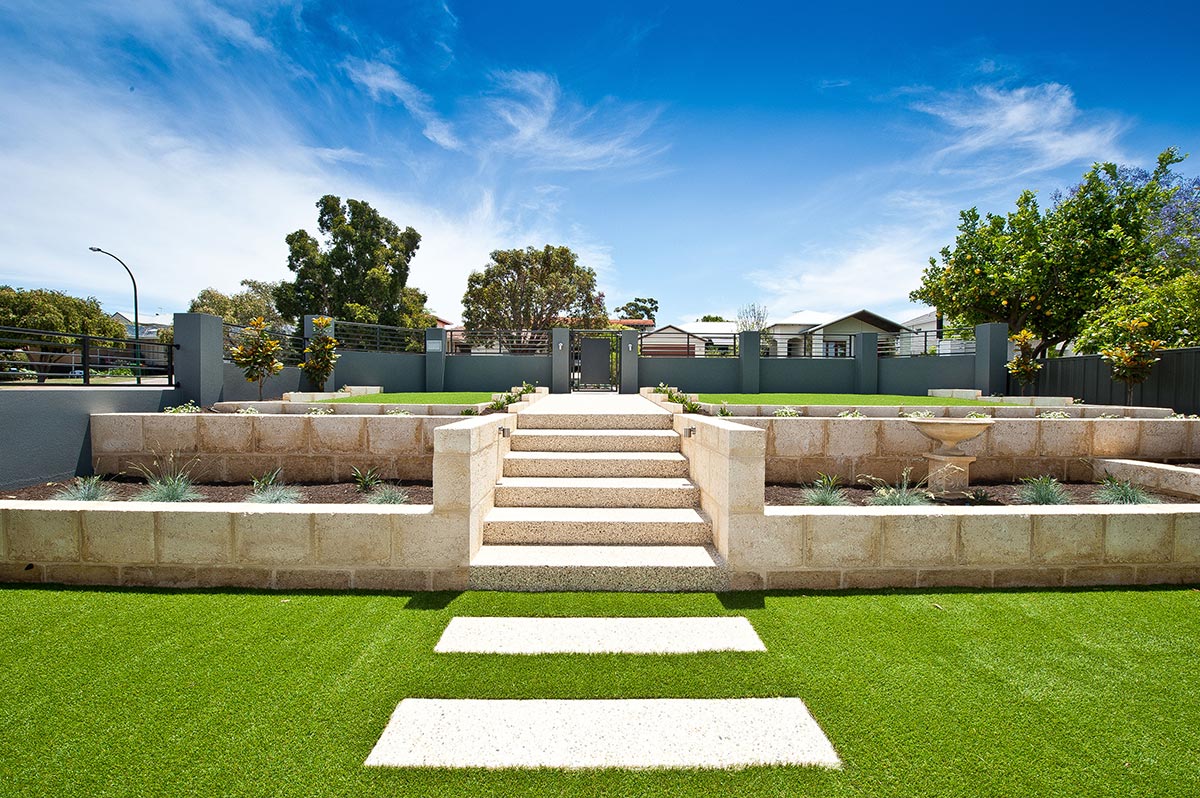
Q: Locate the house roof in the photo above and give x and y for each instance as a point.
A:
(709, 327)
(635, 323)
(145, 319)
(867, 317)
(802, 318)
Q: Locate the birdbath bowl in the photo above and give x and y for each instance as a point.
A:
(950, 466)
(950, 432)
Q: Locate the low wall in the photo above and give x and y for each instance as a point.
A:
(395, 372)
(235, 387)
(1174, 480)
(942, 411)
(234, 448)
(699, 374)
(823, 548)
(44, 431)
(725, 461)
(916, 375)
(495, 372)
(806, 375)
(800, 448)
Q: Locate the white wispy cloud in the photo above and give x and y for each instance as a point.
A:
(383, 82)
(551, 131)
(1012, 131)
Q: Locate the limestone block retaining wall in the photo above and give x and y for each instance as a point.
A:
(364, 547)
(946, 411)
(800, 448)
(872, 547)
(233, 448)
(1174, 480)
(469, 458)
(726, 463)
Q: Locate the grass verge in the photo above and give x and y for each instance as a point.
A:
(837, 399)
(431, 398)
(110, 692)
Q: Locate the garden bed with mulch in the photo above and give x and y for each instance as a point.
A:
(127, 489)
(1000, 494)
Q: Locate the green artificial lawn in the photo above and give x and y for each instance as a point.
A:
(951, 693)
(835, 399)
(431, 398)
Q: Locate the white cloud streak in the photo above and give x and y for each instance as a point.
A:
(384, 82)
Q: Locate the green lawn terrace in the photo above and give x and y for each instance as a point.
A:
(844, 399)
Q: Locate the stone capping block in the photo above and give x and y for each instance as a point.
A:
(170, 432)
(117, 432)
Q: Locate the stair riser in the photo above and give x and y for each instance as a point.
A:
(597, 443)
(560, 533)
(509, 496)
(584, 578)
(582, 467)
(565, 421)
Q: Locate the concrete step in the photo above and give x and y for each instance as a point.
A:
(656, 419)
(589, 526)
(592, 492)
(595, 464)
(593, 440)
(620, 568)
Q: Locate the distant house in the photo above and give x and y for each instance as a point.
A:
(805, 333)
(149, 325)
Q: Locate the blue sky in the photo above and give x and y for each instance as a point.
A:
(705, 154)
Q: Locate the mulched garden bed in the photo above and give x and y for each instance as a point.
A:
(1002, 494)
(337, 493)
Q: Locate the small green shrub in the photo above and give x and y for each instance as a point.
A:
(1120, 491)
(85, 489)
(247, 411)
(977, 414)
(916, 414)
(787, 412)
(724, 410)
(978, 496)
(388, 494)
(526, 389)
(321, 353)
(469, 411)
(691, 407)
(319, 411)
(170, 488)
(366, 481)
(851, 414)
(662, 388)
(187, 407)
(1183, 415)
(275, 494)
(1042, 490)
(1054, 414)
(1110, 415)
(826, 491)
(397, 411)
(902, 494)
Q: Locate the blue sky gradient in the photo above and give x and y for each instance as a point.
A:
(705, 154)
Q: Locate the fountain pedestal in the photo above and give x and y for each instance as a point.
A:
(950, 466)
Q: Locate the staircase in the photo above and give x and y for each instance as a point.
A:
(595, 495)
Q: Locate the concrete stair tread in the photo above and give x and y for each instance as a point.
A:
(591, 433)
(597, 556)
(664, 483)
(592, 515)
(673, 457)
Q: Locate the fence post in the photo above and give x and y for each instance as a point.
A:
(435, 359)
(991, 353)
(750, 360)
(199, 370)
(866, 362)
(629, 361)
(560, 360)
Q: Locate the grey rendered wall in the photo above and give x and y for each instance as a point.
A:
(236, 389)
(691, 374)
(1174, 381)
(495, 372)
(914, 376)
(807, 375)
(45, 434)
(395, 372)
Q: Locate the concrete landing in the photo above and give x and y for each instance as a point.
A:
(581, 734)
(675, 569)
(621, 526)
(598, 636)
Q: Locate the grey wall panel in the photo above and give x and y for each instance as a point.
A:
(496, 372)
(691, 374)
(45, 433)
(807, 375)
(237, 389)
(914, 376)
(1173, 382)
(395, 372)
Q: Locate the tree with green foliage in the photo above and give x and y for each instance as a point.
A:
(710, 317)
(638, 308)
(533, 289)
(257, 354)
(1131, 358)
(357, 273)
(256, 301)
(1048, 272)
(54, 311)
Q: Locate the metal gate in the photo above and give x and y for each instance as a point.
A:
(595, 360)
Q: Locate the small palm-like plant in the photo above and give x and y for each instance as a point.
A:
(1042, 490)
(388, 494)
(266, 480)
(1120, 491)
(978, 496)
(366, 481)
(275, 494)
(724, 410)
(826, 491)
(86, 489)
(902, 494)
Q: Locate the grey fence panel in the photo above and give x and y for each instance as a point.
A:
(1174, 381)
(46, 435)
(235, 388)
(395, 372)
(691, 374)
(807, 375)
(496, 372)
(914, 376)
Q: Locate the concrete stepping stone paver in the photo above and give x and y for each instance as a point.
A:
(598, 635)
(623, 733)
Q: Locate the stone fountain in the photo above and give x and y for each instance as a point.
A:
(950, 466)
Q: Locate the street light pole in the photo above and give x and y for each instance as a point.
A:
(137, 332)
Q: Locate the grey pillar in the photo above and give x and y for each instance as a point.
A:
(435, 359)
(199, 370)
(750, 360)
(560, 360)
(629, 361)
(991, 353)
(308, 333)
(866, 363)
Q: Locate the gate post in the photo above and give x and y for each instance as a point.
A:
(435, 359)
(629, 361)
(560, 360)
(866, 362)
(750, 360)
